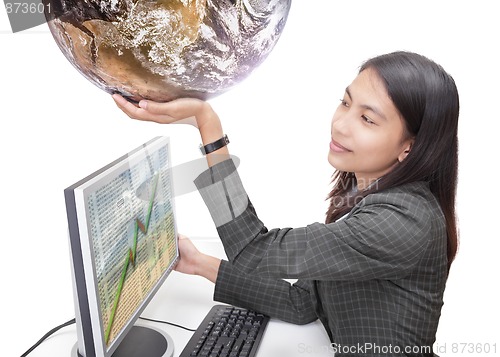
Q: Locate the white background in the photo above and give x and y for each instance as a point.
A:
(56, 128)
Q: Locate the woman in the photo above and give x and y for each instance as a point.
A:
(375, 272)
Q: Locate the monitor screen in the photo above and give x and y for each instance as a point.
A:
(123, 241)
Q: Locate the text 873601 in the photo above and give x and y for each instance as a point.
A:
(26, 8)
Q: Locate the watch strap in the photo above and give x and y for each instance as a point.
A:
(216, 145)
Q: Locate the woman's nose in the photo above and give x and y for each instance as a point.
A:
(341, 123)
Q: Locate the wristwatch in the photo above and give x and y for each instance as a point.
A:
(216, 145)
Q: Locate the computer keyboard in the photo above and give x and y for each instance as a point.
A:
(227, 331)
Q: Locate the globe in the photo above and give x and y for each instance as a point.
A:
(166, 49)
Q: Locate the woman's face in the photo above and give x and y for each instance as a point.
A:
(368, 136)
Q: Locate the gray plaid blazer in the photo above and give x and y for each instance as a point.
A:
(375, 278)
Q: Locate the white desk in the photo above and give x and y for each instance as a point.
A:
(185, 300)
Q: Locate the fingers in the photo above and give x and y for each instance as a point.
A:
(136, 112)
(128, 108)
(154, 107)
(179, 108)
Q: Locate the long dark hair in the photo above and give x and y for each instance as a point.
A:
(427, 98)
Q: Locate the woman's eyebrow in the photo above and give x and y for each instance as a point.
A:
(366, 106)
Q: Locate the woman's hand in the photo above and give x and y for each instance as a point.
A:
(193, 262)
(189, 256)
(180, 111)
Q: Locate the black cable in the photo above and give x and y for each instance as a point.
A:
(72, 321)
(168, 323)
(55, 329)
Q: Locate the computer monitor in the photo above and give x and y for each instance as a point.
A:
(123, 241)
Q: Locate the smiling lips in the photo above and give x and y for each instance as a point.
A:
(336, 147)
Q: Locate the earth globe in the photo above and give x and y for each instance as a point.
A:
(166, 49)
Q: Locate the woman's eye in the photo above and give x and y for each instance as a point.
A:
(344, 103)
(367, 120)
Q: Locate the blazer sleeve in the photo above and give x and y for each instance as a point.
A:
(383, 237)
(274, 297)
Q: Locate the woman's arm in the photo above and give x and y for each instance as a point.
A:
(273, 297)
(379, 241)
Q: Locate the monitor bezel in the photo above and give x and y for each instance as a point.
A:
(90, 329)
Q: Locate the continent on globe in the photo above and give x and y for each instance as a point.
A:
(166, 49)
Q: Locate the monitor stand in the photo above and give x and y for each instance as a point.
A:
(141, 341)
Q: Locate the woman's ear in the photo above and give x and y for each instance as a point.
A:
(406, 149)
